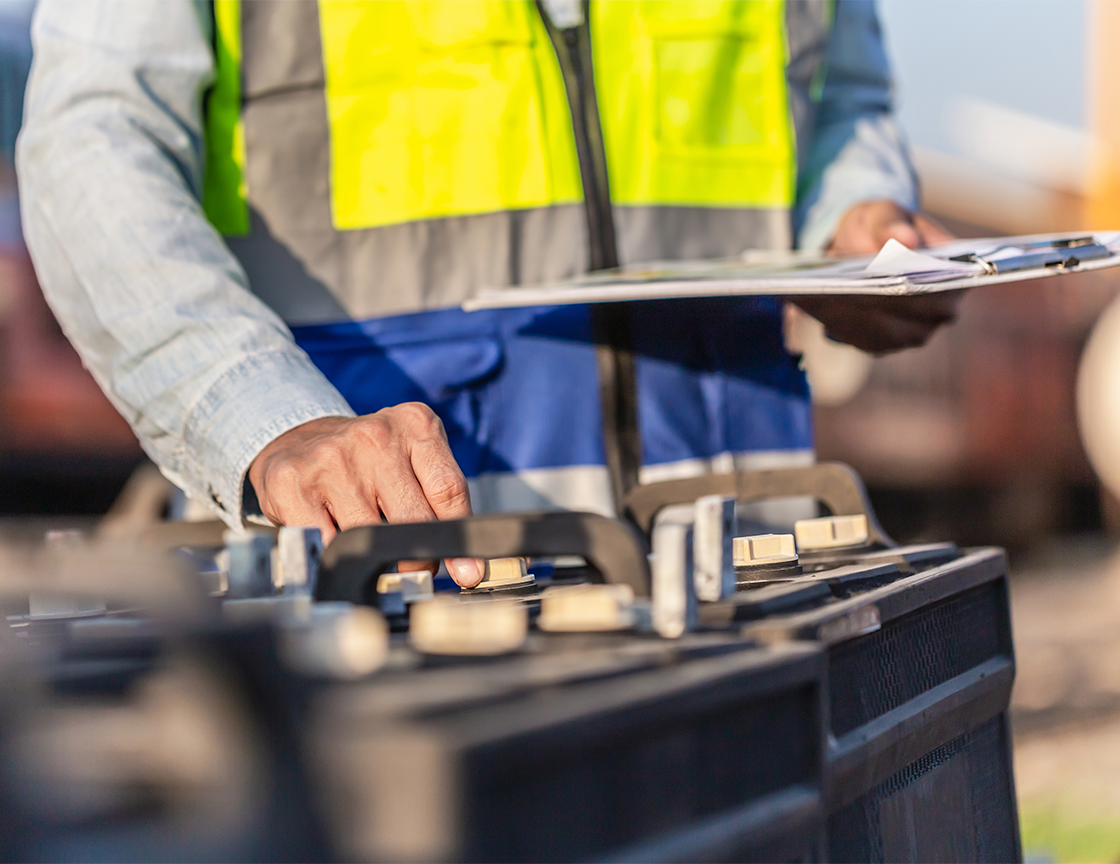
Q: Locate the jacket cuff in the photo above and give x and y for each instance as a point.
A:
(872, 164)
(251, 405)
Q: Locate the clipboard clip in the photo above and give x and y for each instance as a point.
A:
(1064, 254)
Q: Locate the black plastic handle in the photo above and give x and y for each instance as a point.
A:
(354, 560)
(833, 484)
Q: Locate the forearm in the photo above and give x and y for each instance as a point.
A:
(143, 286)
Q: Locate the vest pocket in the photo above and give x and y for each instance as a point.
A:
(442, 369)
(694, 103)
(717, 93)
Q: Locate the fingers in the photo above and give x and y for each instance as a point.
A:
(883, 332)
(467, 572)
(338, 473)
(903, 232)
(896, 333)
(867, 226)
(422, 482)
(401, 499)
(289, 500)
(442, 494)
(878, 334)
(915, 231)
(339, 486)
(304, 513)
(443, 485)
(381, 444)
(882, 324)
(931, 233)
(940, 307)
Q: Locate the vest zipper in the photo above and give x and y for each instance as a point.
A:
(573, 50)
(610, 322)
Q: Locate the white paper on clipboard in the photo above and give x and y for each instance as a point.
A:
(896, 270)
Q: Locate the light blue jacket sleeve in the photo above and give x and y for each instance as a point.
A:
(109, 164)
(858, 152)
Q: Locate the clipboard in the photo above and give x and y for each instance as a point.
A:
(896, 271)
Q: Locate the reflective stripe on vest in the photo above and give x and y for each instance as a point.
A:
(396, 156)
(223, 190)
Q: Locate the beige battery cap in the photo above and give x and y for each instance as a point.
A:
(412, 586)
(587, 608)
(448, 625)
(505, 571)
(830, 532)
(763, 550)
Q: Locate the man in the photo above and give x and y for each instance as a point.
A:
(371, 165)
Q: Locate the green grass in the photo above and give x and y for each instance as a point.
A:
(1054, 834)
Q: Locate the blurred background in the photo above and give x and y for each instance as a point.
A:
(63, 448)
(1013, 110)
(974, 436)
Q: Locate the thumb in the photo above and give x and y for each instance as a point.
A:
(904, 233)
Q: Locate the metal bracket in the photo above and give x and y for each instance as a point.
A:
(354, 560)
(833, 484)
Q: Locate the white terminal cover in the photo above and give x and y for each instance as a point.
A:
(674, 594)
(47, 604)
(250, 561)
(298, 550)
(761, 549)
(412, 586)
(587, 608)
(712, 558)
(337, 640)
(449, 625)
(830, 532)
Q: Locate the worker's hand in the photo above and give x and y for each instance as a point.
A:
(874, 323)
(341, 472)
(866, 227)
(879, 324)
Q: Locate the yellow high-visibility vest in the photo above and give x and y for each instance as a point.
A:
(450, 113)
(442, 109)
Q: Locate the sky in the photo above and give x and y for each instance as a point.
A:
(1025, 55)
